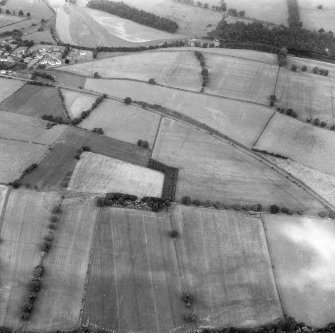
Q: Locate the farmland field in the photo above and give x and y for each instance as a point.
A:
(177, 69)
(214, 170)
(123, 122)
(63, 26)
(149, 267)
(3, 195)
(310, 95)
(76, 102)
(241, 79)
(303, 253)
(100, 174)
(37, 8)
(41, 36)
(16, 156)
(301, 142)
(58, 307)
(9, 19)
(60, 161)
(241, 121)
(8, 87)
(25, 223)
(34, 101)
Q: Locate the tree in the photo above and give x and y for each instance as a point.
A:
(186, 200)
(274, 209)
(28, 14)
(304, 68)
(241, 13)
(320, 6)
(21, 12)
(294, 68)
(152, 81)
(127, 100)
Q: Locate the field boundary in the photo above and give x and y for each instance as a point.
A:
(7, 25)
(266, 125)
(156, 136)
(4, 208)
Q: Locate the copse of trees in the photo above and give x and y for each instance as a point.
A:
(43, 75)
(204, 69)
(293, 14)
(131, 13)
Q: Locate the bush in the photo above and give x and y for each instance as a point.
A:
(38, 271)
(300, 212)
(98, 130)
(35, 286)
(285, 210)
(207, 203)
(49, 237)
(85, 148)
(127, 100)
(57, 209)
(323, 214)
(152, 81)
(143, 144)
(46, 246)
(52, 226)
(196, 202)
(190, 318)
(323, 124)
(186, 201)
(304, 68)
(54, 218)
(273, 98)
(274, 209)
(174, 234)
(294, 68)
(257, 208)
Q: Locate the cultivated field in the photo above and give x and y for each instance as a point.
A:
(303, 254)
(310, 95)
(9, 19)
(176, 69)
(314, 18)
(68, 79)
(214, 170)
(25, 223)
(34, 101)
(301, 142)
(16, 156)
(241, 121)
(37, 8)
(76, 102)
(100, 174)
(60, 162)
(8, 87)
(3, 196)
(58, 306)
(41, 36)
(241, 79)
(123, 122)
(19, 127)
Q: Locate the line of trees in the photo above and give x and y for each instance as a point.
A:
(293, 14)
(131, 13)
(17, 183)
(204, 69)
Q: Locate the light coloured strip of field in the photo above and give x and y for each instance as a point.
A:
(3, 195)
(25, 223)
(76, 102)
(100, 174)
(8, 87)
(310, 95)
(239, 78)
(303, 254)
(123, 122)
(16, 156)
(9, 20)
(176, 69)
(210, 169)
(58, 307)
(301, 142)
(239, 120)
(63, 26)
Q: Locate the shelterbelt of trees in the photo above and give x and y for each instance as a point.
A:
(130, 13)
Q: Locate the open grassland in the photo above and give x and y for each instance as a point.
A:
(242, 79)
(176, 69)
(19, 127)
(309, 95)
(9, 87)
(76, 102)
(41, 36)
(34, 101)
(100, 174)
(67, 79)
(313, 18)
(60, 162)
(16, 156)
(9, 20)
(214, 170)
(63, 26)
(58, 306)
(37, 8)
(301, 142)
(303, 254)
(25, 223)
(241, 121)
(123, 122)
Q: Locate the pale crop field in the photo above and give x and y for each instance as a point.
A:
(9, 19)
(25, 224)
(242, 79)
(3, 196)
(63, 26)
(123, 122)
(8, 87)
(239, 120)
(100, 174)
(301, 142)
(58, 306)
(176, 69)
(76, 102)
(214, 170)
(310, 95)
(16, 156)
(303, 254)
(37, 8)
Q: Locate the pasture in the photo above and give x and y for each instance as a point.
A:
(25, 223)
(6, 20)
(63, 26)
(60, 162)
(239, 120)
(176, 69)
(9, 87)
(100, 174)
(37, 8)
(242, 79)
(76, 102)
(211, 169)
(58, 306)
(16, 156)
(301, 142)
(309, 95)
(123, 122)
(303, 253)
(3, 196)
(34, 101)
